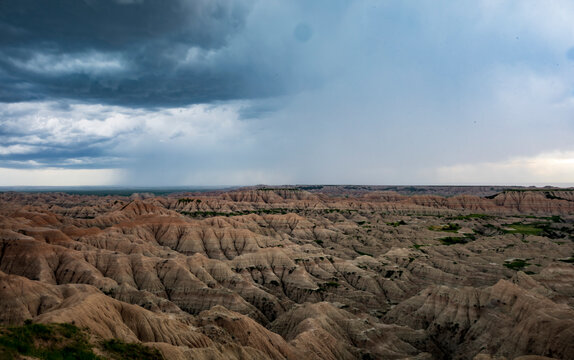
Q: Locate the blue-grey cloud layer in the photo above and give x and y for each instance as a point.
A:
(134, 53)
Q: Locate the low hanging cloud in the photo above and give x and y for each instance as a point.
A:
(60, 177)
(38, 134)
(555, 168)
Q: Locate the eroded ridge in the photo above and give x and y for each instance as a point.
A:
(299, 272)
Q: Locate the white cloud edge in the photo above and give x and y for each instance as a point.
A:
(547, 168)
(59, 177)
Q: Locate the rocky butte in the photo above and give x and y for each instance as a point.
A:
(303, 272)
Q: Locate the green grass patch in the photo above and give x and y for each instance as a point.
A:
(556, 219)
(451, 240)
(397, 223)
(524, 229)
(472, 216)
(541, 228)
(45, 341)
(517, 264)
(64, 342)
(185, 200)
(129, 351)
(450, 227)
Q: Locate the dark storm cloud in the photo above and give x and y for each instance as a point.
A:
(127, 52)
(72, 25)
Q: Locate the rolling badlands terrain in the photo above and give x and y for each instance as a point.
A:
(298, 272)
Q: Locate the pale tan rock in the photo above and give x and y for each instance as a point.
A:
(335, 273)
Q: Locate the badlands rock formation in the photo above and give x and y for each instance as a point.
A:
(299, 273)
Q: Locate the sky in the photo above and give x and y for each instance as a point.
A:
(216, 92)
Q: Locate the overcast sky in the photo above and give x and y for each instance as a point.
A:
(215, 92)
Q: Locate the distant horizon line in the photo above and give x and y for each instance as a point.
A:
(219, 187)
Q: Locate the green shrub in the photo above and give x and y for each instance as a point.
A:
(45, 341)
(525, 229)
(451, 240)
(517, 264)
(130, 351)
(450, 227)
(184, 200)
(397, 223)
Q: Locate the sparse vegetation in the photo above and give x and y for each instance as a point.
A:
(556, 219)
(525, 229)
(516, 264)
(472, 216)
(363, 253)
(205, 214)
(184, 200)
(278, 189)
(130, 351)
(45, 341)
(451, 240)
(64, 342)
(450, 227)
